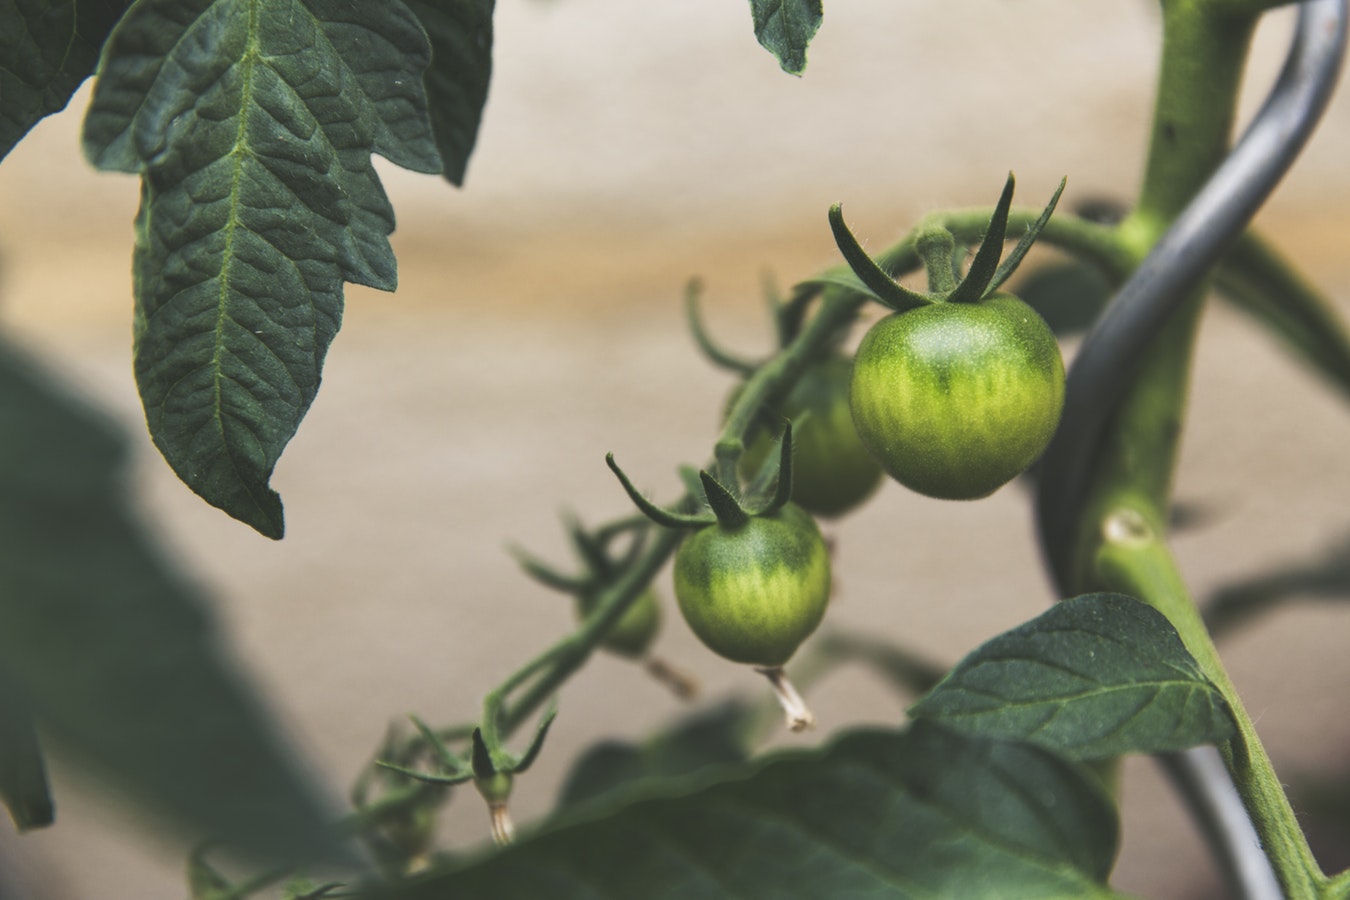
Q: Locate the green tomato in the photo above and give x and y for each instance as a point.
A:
(636, 628)
(956, 399)
(753, 593)
(832, 472)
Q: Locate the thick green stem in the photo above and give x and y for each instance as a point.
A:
(1133, 558)
(1121, 539)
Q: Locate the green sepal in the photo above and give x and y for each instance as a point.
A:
(715, 354)
(1014, 259)
(540, 733)
(661, 516)
(544, 573)
(985, 264)
(444, 755)
(586, 545)
(783, 486)
(426, 777)
(483, 758)
(724, 505)
(880, 285)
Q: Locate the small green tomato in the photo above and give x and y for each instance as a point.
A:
(832, 471)
(956, 399)
(633, 634)
(754, 592)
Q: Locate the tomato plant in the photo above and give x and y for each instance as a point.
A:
(251, 128)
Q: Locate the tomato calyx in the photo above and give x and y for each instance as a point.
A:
(987, 271)
(718, 504)
(490, 767)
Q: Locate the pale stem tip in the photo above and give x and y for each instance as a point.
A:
(798, 717)
(503, 830)
(681, 684)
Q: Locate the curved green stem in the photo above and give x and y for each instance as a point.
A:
(1121, 535)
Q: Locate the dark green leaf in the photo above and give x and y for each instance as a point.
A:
(706, 738)
(878, 814)
(1098, 675)
(23, 771)
(785, 27)
(113, 652)
(48, 48)
(1068, 295)
(457, 82)
(252, 126)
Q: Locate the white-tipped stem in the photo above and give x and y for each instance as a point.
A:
(681, 684)
(503, 830)
(799, 718)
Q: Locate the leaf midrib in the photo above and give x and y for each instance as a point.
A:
(248, 60)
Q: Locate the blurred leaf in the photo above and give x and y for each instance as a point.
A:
(1260, 282)
(110, 648)
(457, 80)
(23, 772)
(252, 127)
(1068, 295)
(49, 47)
(1325, 577)
(709, 737)
(877, 814)
(1099, 675)
(785, 27)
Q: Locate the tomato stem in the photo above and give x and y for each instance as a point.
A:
(795, 711)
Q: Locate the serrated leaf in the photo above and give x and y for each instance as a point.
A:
(925, 813)
(49, 47)
(252, 123)
(460, 32)
(785, 28)
(1098, 675)
(705, 738)
(23, 770)
(113, 652)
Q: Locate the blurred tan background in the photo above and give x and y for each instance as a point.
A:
(538, 325)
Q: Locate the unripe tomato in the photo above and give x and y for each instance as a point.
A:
(832, 472)
(753, 593)
(636, 628)
(956, 399)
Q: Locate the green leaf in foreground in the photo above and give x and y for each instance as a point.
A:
(705, 738)
(1098, 675)
(252, 123)
(48, 48)
(925, 813)
(113, 653)
(785, 27)
(457, 81)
